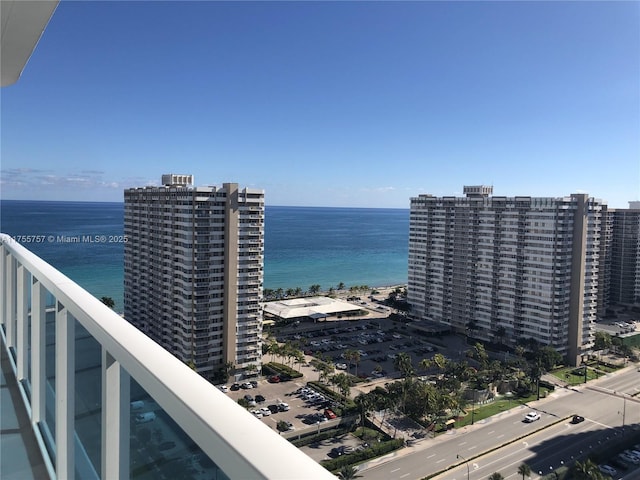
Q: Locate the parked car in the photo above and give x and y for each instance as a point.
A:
(531, 417)
(273, 408)
(265, 411)
(254, 383)
(223, 388)
(627, 456)
(609, 470)
(342, 450)
(260, 398)
(235, 386)
(577, 419)
(283, 407)
(256, 413)
(274, 379)
(329, 414)
(246, 385)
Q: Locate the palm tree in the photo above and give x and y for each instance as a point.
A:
(314, 289)
(108, 301)
(356, 359)
(587, 470)
(496, 476)
(364, 401)
(402, 363)
(348, 472)
(524, 470)
(343, 383)
(341, 286)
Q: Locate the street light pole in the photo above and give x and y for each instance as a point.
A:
(465, 461)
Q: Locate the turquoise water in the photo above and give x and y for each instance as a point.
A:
(303, 245)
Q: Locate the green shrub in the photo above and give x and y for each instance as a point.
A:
(374, 451)
(324, 435)
(273, 368)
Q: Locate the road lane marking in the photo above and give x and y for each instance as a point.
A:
(440, 461)
(471, 448)
(500, 436)
(492, 431)
(463, 443)
(393, 471)
(431, 456)
(405, 475)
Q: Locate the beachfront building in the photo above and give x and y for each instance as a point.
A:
(624, 274)
(193, 272)
(505, 269)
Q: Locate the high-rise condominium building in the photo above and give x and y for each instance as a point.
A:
(624, 284)
(505, 269)
(193, 271)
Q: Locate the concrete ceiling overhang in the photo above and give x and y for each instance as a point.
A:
(23, 22)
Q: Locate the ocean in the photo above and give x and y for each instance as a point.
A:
(303, 245)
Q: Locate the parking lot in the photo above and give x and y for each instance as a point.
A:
(377, 340)
(301, 414)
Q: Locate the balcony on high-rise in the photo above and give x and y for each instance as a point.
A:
(87, 395)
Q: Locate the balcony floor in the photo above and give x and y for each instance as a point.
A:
(20, 458)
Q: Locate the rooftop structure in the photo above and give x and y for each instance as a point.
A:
(309, 307)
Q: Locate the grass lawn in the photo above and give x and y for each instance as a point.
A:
(575, 375)
(503, 404)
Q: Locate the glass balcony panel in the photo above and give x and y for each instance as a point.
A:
(160, 448)
(50, 369)
(88, 403)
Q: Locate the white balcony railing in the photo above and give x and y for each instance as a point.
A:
(239, 445)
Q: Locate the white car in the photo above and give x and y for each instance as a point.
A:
(223, 388)
(607, 469)
(341, 366)
(265, 411)
(283, 407)
(256, 413)
(531, 417)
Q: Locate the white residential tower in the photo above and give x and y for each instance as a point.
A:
(508, 268)
(194, 271)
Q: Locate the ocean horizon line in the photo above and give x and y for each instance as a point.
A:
(111, 202)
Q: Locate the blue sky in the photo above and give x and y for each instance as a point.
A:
(362, 104)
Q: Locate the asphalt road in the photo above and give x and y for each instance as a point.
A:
(545, 445)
